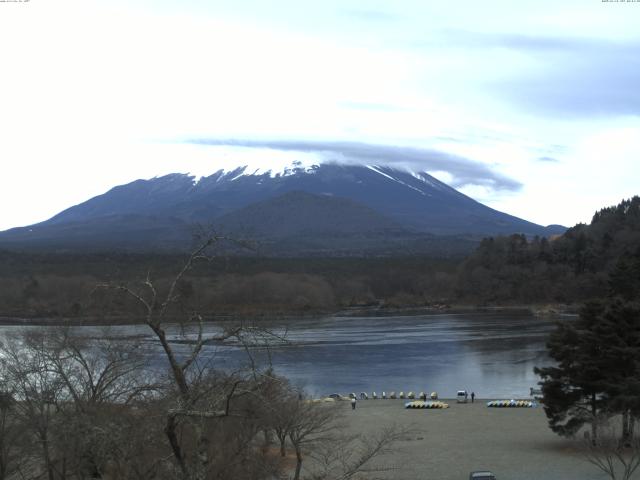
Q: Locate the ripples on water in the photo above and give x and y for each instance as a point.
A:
(492, 354)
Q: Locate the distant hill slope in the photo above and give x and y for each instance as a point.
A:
(331, 200)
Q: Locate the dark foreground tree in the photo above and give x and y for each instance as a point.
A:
(619, 331)
(617, 460)
(573, 389)
(597, 371)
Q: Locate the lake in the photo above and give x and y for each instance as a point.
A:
(492, 354)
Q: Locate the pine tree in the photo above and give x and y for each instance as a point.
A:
(573, 391)
(619, 328)
(624, 280)
(598, 370)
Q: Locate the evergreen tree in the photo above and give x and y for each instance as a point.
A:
(570, 268)
(624, 280)
(573, 391)
(619, 328)
(598, 369)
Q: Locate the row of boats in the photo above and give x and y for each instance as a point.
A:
(423, 404)
(391, 395)
(512, 404)
(493, 403)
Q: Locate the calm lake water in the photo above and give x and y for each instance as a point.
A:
(492, 354)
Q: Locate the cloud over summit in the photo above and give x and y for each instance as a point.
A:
(462, 170)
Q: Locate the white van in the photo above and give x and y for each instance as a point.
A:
(462, 396)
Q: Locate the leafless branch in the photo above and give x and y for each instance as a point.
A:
(616, 458)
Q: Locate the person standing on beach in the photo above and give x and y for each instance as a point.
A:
(473, 396)
(353, 403)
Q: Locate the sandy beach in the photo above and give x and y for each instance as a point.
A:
(513, 443)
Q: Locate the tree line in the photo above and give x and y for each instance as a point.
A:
(571, 268)
(74, 406)
(598, 359)
(63, 285)
(512, 270)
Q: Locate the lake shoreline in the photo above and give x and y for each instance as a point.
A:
(536, 310)
(491, 353)
(513, 443)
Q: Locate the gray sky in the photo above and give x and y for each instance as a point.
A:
(532, 107)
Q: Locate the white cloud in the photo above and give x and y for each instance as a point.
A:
(93, 93)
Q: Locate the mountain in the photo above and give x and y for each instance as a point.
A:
(280, 217)
(361, 207)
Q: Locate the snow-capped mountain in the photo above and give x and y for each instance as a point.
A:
(298, 201)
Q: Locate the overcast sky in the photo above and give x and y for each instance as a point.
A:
(531, 107)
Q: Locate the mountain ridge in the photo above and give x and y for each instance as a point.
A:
(351, 200)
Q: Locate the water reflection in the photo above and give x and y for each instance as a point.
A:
(492, 354)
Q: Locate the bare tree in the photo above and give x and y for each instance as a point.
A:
(98, 371)
(101, 379)
(69, 396)
(315, 433)
(89, 407)
(11, 436)
(347, 457)
(311, 424)
(37, 393)
(279, 401)
(281, 420)
(199, 398)
(617, 458)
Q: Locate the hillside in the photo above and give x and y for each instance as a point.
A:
(573, 267)
(354, 210)
(579, 265)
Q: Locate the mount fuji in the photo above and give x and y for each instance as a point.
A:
(324, 209)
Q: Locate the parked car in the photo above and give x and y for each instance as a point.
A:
(484, 475)
(462, 396)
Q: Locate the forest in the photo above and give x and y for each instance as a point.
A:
(79, 407)
(571, 268)
(503, 271)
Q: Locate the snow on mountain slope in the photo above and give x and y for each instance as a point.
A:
(415, 202)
